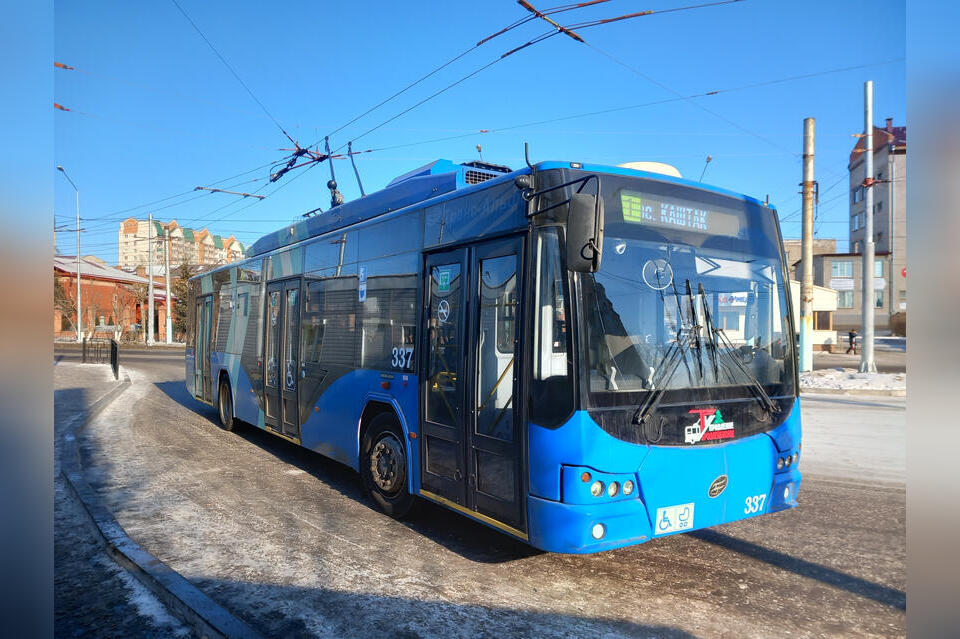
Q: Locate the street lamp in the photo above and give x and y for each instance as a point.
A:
(77, 191)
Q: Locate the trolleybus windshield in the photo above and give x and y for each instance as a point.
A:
(690, 295)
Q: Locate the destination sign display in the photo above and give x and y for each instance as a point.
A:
(640, 208)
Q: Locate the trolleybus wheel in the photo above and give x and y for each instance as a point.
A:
(383, 465)
(225, 405)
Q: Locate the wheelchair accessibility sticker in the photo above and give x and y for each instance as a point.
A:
(673, 519)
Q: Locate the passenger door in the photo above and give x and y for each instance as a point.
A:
(281, 373)
(471, 452)
(201, 364)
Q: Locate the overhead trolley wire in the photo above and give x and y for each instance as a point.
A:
(231, 69)
(481, 42)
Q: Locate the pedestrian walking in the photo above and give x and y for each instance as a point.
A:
(852, 336)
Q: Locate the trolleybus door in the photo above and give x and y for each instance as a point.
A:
(282, 357)
(442, 455)
(471, 434)
(493, 441)
(201, 354)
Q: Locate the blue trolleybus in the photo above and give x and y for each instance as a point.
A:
(583, 357)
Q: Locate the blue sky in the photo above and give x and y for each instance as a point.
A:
(156, 113)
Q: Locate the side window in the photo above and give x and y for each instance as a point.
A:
(311, 332)
(551, 388)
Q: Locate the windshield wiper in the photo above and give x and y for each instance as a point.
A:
(672, 357)
(676, 296)
(711, 342)
(765, 401)
(762, 396)
(695, 330)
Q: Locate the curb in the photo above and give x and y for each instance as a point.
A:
(186, 601)
(854, 391)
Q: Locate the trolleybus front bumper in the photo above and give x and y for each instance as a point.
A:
(616, 494)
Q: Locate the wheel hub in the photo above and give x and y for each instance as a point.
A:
(386, 464)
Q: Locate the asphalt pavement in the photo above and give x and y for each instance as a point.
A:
(285, 539)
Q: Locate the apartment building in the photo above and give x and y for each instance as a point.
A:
(186, 245)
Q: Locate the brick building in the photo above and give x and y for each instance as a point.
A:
(113, 301)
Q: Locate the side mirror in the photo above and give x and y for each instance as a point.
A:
(584, 233)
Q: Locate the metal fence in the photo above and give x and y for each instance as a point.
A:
(99, 350)
(115, 358)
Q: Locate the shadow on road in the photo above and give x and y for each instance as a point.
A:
(856, 585)
(357, 614)
(467, 538)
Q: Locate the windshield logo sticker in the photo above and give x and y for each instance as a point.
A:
(657, 274)
(443, 280)
(443, 311)
(708, 427)
(718, 486)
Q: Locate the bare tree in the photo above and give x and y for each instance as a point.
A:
(123, 300)
(65, 301)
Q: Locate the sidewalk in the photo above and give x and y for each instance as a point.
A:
(93, 596)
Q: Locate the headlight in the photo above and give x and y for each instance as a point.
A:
(788, 461)
(613, 489)
(780, 464)
(628, 487)
(596, 489)
(796, 456)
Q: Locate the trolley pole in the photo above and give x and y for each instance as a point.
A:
(806, 282)
(867, 364)
(150, 281)
(166, 253)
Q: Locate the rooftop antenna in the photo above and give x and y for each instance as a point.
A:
(355, 171)
(706, 164)
(336, 197)
(480, 152)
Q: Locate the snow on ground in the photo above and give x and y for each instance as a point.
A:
(846, 379)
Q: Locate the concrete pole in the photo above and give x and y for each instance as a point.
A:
(892, 176)
(166, 252)
(150, 279)
(806, 283)
(867, 365)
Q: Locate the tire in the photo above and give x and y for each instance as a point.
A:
(383, 466)
(225, 408)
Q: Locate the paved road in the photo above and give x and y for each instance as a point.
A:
(285, 539)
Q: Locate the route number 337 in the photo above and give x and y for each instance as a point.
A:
(754, 504)
(402, 358)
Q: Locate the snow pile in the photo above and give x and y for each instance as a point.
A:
(847, 379)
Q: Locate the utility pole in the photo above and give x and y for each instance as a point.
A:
(169, 295)
(150, 283)
(806, 282)
(867, 365)
(79, 313)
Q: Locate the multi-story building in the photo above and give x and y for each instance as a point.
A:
(889, 188)
(842, 272)
(185, 245)
(793, 249)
